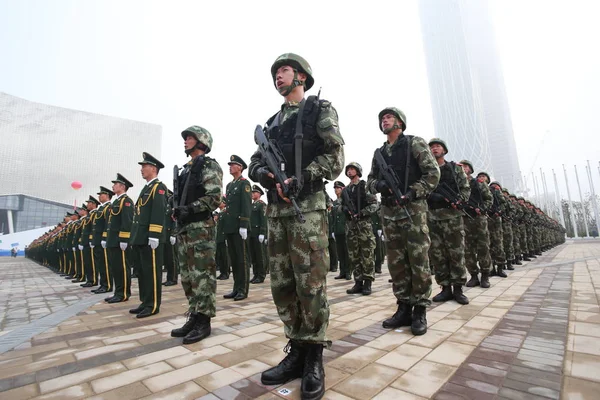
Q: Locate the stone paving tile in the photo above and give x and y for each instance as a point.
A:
(519, 339)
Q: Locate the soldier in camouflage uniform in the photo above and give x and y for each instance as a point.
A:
(338, 218)
(523, 227)
(407, 240)
(195, 245)
(447, 251)
(477, 237)
(359, 232)
(495, 229)
(516, 217)
(508, 213)
(298, 256)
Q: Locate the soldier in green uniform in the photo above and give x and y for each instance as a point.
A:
(118, 232)
(170, 264)
(236, 224)
(379, 252)
(407, 239)
(148, 237)
(77, 252)
(298, 256)
(222, 258)
(447, 251)
(84, 243)
(338, 217)
(477, 237)
(199, 193)
(98, 231)
(258, 232)
(495, 230)
(359, 232)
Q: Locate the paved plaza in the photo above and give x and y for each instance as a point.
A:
(534, 335)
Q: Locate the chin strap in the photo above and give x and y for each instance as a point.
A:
(286, 90)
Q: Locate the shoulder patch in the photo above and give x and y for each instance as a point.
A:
(160, 191)
(247, 188)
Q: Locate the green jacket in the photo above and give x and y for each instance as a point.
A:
(220, 233)
(149, 217)
(120, 216)
(258, 219)
(338, 218)
(239, 204)
(87, 225)
(99, 232)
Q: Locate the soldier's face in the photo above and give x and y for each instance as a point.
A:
(388, 121)
(221, 206)
(284, 77)
(338, 191)
(148, 171)
(351, 172)
(255, 196)
(437, 150)
(103, 198)
(190, 142)
(467, 169)
(482, 179)
(118, 188)
(235, 169)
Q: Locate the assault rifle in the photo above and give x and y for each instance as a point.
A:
(353, 209)
(391, 178)
(452, 197)
(276, 164)
(175, 197)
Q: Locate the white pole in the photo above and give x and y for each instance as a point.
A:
(535, 192)
(560, 210)
(571, 210)
(593, 193)
(545, 188)
(585, 223)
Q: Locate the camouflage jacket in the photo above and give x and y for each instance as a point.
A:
(328, 165)
(423, 187)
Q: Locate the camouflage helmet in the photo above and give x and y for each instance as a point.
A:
(496, 183)
(440, 142)
(356, 166)
(296, 62)
(469, 163)
(394, 111)
(200, 134)
(486, 175)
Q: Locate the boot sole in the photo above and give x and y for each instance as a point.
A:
(279, 382)
(196, 340)
(394, 327)
(419, 333)
(316, 396)
(179, 334)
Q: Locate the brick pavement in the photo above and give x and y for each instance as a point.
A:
(533, 335)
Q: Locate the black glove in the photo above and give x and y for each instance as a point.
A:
(407, 197)
(181, 212)
(263, 178)
(435, 201)
(382, 187)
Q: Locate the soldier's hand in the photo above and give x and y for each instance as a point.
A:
(333, 235)
(103, 243)
(280, 192)
(244, 233)
(173, 240)
(91, 245)
(382, 187)
(478, 211)
(181, 212)
(261, 238)
(73, 248)
(265, 178)
(80, 247)
(379, 232)
(153, 243)
(123, 246)
(407, 198)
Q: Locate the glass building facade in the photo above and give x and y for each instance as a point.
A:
(20, 213)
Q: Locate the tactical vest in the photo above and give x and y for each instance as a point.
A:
(404, 164)
(195, 189)
(476, 195)
(358, 196)
(448, 176)
(312, 144)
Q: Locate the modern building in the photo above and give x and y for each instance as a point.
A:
(466, 85)
(45, 148)
(20, 213)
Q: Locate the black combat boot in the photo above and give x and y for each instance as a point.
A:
(186, 328)
(444, 295)
(509, 265)
(378, 269)
(340, 276)
(291, 367)
(419, 321)
(474, 281)
(200, 331)
(459, 296)
(366, 289)
(357, 288)
(313, 377)
(518, 261)
(526, 257)
(531, 255)
(493, 270)
(402, 317)
(500, 271)
(485, 280)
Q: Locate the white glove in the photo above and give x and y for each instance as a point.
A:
(73, 248)
(153, 242)
(80, 247)
(383, 238)
(57, 250)
(103, 243)
(261, 238)
(91, 245)
(123, 246)
(333, 235)
(173, 240)
(244, 233)
(379, 232)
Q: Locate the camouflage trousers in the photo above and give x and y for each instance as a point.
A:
(477, 245)
(496, 240)
(361, 245)
(517, 240)
(408, 259)
(523, 239)
(447, 251)
(507, 240)
(196, 248)
(298, 263)
(530, 243)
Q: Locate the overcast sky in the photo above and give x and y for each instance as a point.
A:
(180, 63)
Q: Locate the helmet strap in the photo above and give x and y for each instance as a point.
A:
(286, 90)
